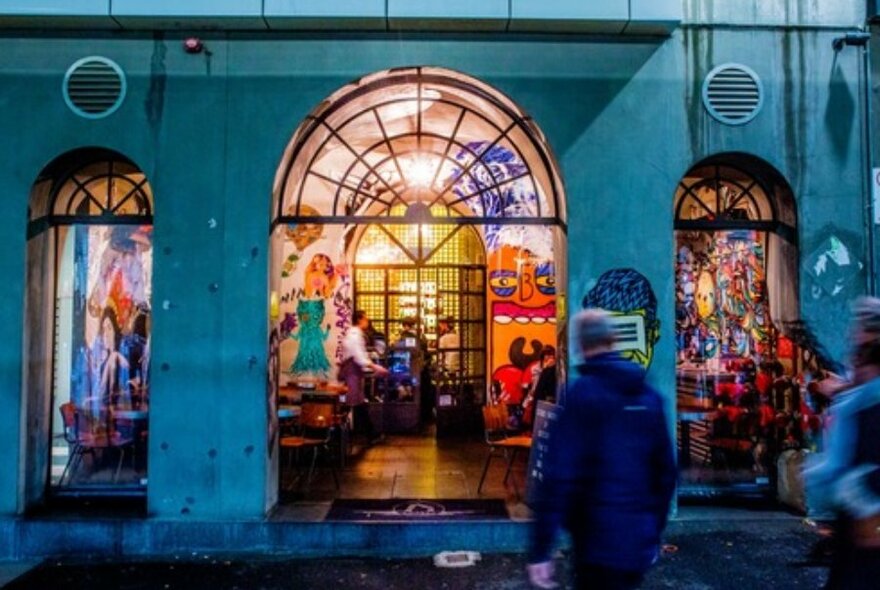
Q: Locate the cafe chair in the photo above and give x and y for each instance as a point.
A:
(129, 435)
(732, 439)
(500, 442)
(83, 437)
(317, 421)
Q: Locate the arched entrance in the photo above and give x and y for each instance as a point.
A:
(422, 194)
(736, 294)
(88, 324)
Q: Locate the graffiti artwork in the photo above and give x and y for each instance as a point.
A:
(111, 325)
(627, 295)
(303, 234)
(832, 267)
(721, 307)
(522, 303)
(522, 279)
(500, 187)
(272, 372)
(319, 283)
(311, 356)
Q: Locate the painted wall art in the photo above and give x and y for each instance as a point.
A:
(721, 305)
(521, 273)
(110, 321)
(500, 187)
(311, 280)
(628, 296)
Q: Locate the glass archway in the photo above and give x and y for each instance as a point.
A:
(90, 238)
(417, 194)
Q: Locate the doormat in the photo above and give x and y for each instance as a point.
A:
(415, 510)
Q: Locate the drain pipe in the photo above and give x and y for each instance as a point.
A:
(861, 39)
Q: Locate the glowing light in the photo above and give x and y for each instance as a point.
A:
(420, 172)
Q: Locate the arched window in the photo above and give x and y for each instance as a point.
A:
(89, 303)
(736, 291)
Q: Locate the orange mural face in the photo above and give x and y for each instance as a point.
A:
(522, 305)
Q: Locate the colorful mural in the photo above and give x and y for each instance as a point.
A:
(111, 326)
(311, 356)
(721, 308)
(521, 274)
(309, 326)
(522, 304)
(506, 192)
(628, 296)
(273, 372)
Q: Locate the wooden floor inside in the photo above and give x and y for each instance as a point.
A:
(403, 466)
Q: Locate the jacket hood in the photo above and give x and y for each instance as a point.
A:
(622, 374)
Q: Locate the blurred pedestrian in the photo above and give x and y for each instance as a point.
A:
(356, 364)
(844, 481)
(543, 384)
(610, 473)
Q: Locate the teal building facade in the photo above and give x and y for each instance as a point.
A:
(214, 95)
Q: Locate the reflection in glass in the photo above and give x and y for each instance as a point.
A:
(102, 376)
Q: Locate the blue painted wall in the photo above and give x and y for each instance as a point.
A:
(623, 119)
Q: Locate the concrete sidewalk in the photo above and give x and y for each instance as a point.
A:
(716, 548)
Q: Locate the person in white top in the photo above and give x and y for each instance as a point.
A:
(447, 346)
(356, 363)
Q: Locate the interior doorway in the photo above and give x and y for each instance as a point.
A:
(430, 201)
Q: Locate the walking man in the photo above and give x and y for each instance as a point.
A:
(610, 473)
(844, 481)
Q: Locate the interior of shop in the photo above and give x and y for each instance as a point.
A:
(746, 409)
(427, 201)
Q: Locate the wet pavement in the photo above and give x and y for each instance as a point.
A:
(708, 549)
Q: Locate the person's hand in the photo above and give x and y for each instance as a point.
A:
(541, 575)
(380, 370)
(830, 386)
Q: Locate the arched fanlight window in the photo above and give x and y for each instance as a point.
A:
(722, 196)
(400, 143)
(100, 187)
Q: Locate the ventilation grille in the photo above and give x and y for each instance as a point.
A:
(732, 94)
(94, 87)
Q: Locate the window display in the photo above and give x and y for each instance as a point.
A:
(105, 324)
(740, 403)
(99, 213)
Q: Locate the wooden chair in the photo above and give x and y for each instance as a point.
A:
(317, 421)
(497, 437)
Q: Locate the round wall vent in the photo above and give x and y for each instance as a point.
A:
(732, 93)
(94, 87)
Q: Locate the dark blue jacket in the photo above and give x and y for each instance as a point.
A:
(610, 471)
